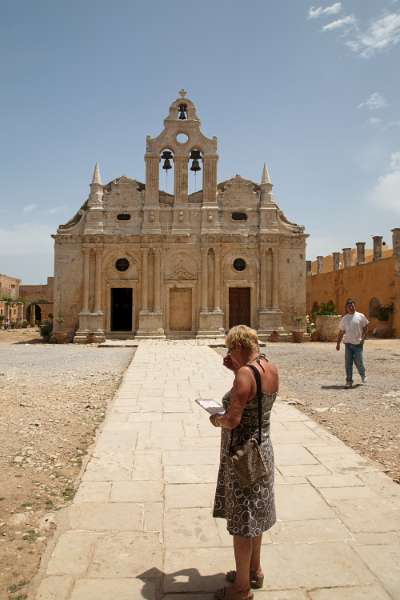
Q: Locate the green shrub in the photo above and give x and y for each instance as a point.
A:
(327, 308)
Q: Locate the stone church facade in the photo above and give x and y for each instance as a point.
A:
(137, 261)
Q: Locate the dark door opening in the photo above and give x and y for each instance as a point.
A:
(239, 306)
(121, 309)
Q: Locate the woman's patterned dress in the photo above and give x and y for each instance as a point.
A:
(248, 511)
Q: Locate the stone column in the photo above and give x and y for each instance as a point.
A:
(181, 179)
(275, 279)
(152, 179)
(336, 260)
(217, 279)
(157, 282)
(320, 264)
(396, 241)
(263, 278)
(360, 253)
(346, 257)
(377, 239)
(204, 279)
(86, 276)
(145, 279)
(210, 179)
(308, 267)
(98, 280)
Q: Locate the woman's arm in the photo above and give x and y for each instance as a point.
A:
(242, 391)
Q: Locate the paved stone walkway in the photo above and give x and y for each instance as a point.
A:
(140, 525)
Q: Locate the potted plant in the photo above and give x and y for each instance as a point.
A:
(298, 332)
(327, 322)
(311, 329)
(274, 336)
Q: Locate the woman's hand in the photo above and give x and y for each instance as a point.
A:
(230, 363)
(214, 420)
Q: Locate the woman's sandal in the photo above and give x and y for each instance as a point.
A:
(256, 581)
(230, 594)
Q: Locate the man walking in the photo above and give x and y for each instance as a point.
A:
(353, 328)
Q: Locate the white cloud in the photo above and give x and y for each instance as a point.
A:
(395, 162)
(348, 21)
(55, 209)
(386, 192)
(381, 34)
(29, 208)
(333, 9)
(26, 239)
(375, 121)
(375, 101)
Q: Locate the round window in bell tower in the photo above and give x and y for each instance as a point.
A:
(182, 138)
(122, 264)
(239, 264)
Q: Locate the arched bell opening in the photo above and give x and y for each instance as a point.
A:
(182, 111)
(167, 171)
(195, 169)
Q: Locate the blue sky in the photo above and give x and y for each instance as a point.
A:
(310, 87)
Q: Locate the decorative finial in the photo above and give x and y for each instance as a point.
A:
(96, 175)
(182, 93)
(266, 177)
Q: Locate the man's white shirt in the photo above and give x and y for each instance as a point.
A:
(353, 326)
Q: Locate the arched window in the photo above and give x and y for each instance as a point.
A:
(373, 308)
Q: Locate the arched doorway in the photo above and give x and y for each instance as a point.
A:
(33, 314)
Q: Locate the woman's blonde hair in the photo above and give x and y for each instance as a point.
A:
(243, 337)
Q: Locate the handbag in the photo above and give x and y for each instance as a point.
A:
(247, 459)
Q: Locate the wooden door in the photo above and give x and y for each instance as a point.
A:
(239, 306)
(180, 309)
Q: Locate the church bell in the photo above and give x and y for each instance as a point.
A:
(182, 112)
(166, 156)
(195, 155)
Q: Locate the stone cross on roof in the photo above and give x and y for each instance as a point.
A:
(182, 93)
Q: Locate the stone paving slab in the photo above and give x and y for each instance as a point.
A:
(140, 525)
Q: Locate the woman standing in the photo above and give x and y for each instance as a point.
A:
(248, 509)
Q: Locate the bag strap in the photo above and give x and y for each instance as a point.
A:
(257, 377)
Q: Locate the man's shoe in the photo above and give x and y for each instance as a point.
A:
(348, 384)
(364, 379)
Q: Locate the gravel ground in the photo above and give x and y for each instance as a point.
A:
(52, 398)
(366, 417)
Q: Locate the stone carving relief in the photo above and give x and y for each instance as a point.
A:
(181, 268)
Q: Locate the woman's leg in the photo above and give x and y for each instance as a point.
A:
(255, 560)
(242, 547)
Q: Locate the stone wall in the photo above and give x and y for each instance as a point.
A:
(9, 287)
(369, 283)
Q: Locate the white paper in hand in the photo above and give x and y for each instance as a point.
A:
(211, 406)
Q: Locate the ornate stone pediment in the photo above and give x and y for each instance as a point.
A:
(180, 272)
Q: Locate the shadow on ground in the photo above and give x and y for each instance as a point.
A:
(340, 387)
(187, 582)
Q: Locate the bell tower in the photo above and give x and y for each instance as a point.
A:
(182, 144)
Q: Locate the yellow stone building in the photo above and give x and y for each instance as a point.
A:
(140, 261)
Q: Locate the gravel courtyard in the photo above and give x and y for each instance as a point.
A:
(52, 399)
(366, 417)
